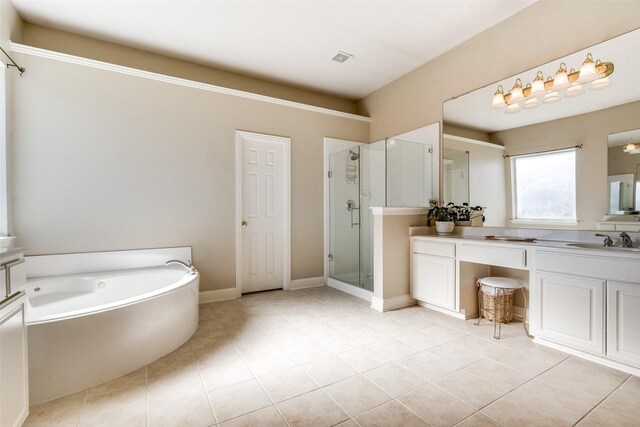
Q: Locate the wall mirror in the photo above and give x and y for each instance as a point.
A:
(493, 138)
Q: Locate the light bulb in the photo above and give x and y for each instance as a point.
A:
(588, 71)
(551, 97)
(516, 93)
(575, 90)
(561, 80)
(537, 87)
(512, 108)
(631, 148)
(531, 103)
(600, 83)
(498, 98)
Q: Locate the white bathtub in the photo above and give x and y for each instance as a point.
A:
(85, 329)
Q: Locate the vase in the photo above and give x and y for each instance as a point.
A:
(444, 228)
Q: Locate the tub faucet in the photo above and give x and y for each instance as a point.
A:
(626, 240)
(186, 265)
(607, 240)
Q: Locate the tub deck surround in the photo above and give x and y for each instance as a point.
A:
(583, 299)
(90, 327)
(89, 262)
(321, 357)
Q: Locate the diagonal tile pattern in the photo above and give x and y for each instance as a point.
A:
(319, 357)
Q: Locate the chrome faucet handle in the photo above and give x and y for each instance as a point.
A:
(626, 240)
(607, 239)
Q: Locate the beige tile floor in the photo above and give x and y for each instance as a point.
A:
(319, 357)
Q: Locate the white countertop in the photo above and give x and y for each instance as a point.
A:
(539, 243)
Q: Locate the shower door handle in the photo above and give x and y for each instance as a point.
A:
(351, 206)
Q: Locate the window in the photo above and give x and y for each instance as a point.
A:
(544, 186)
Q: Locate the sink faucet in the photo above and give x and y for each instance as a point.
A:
(186, 265)
(626, 240)
(607, 240)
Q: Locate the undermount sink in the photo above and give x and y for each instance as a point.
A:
(601, 246)
(511, 239)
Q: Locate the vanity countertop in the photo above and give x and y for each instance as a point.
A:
(568, 245)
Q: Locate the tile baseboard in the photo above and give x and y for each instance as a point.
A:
(309, 282)
(217, 295)
(382, 305)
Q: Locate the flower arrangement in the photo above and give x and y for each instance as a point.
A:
(440, 213)
(450, 213)
(467, 213)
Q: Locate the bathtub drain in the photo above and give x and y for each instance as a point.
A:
(102, 285)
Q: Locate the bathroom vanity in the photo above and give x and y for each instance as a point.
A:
(14, 385)
(583, 298)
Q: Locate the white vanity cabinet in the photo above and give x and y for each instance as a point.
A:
(618, 226)
(433, 273)
(571, 311)
(14, 391)
(14, 382)
(623, 322)
(589, 301)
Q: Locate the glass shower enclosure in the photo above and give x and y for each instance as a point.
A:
(389, 172)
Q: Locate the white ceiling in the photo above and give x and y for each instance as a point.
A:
(623, 138)
(285, 41)
(473, 109)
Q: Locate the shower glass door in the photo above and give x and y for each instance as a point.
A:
(344, 216)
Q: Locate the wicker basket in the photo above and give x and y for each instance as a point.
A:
(499, 307)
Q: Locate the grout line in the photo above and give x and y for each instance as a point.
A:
(602, 401)
(146, 394)
(262, 386)
(204, 387)
(83, 406)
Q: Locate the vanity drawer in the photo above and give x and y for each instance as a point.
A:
(494, 255)
(430, 247)
(16, 276)
(3, 282)
(589, 265)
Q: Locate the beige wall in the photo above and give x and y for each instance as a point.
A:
(11, 25)
(620, 162)
(391, 254)
(545, 31)
(60, 41)
(591, 130)
(106, 161)
(451, 129)
(487, 179)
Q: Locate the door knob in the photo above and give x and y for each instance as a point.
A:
(244, 224)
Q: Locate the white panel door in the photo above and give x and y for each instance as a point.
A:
(623, 321)
(433, 280)
(572, 311)
(264, 187)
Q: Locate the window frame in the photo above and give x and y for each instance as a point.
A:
(514, 191)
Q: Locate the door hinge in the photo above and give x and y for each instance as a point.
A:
(329, 174)
(330, 257)
(430, 150)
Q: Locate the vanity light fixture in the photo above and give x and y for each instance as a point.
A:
(632, 147)
(570, 83)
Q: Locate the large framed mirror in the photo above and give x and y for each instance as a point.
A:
(577, 125)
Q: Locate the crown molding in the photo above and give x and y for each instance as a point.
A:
(78, 60)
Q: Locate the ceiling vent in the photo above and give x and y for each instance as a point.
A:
(342, 57)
